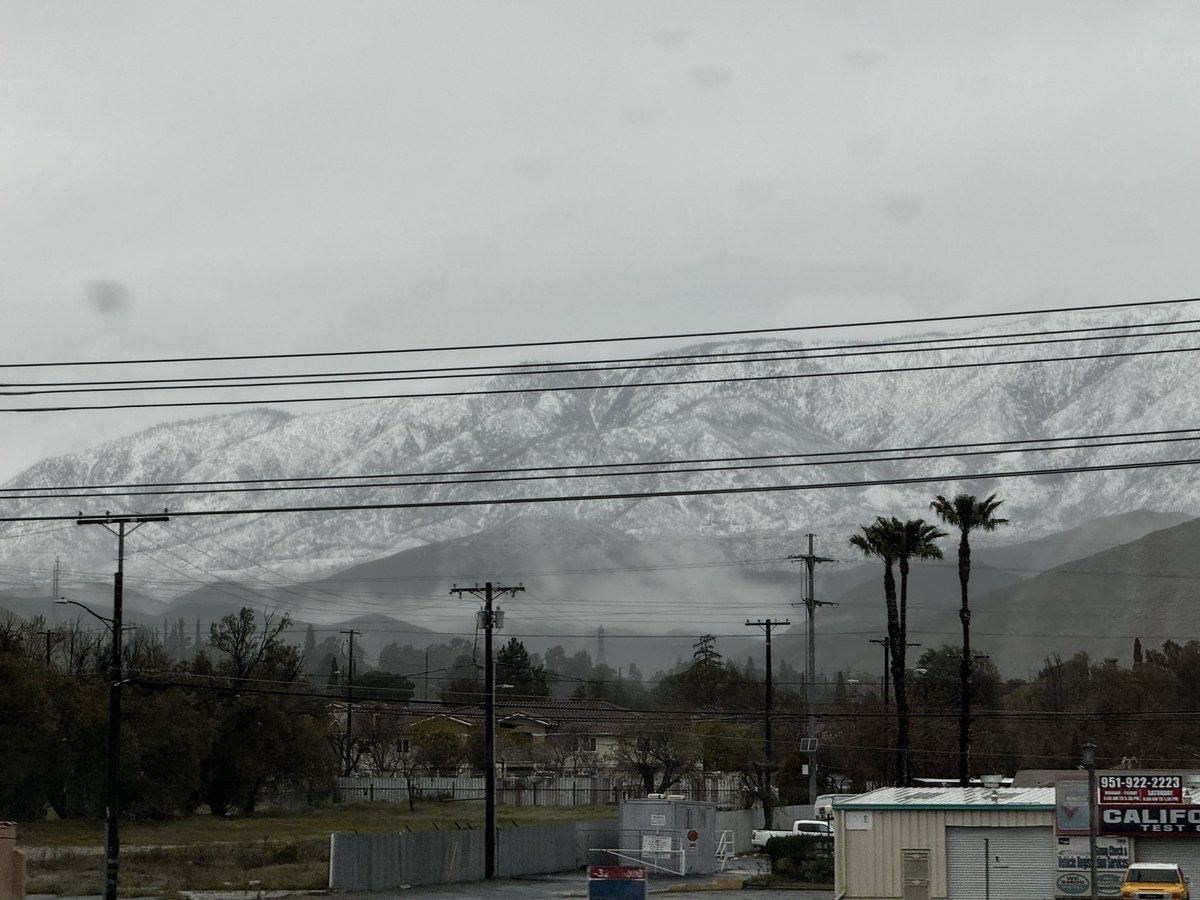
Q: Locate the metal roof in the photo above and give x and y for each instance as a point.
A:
(950, 798)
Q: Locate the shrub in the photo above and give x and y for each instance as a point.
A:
(803, 858)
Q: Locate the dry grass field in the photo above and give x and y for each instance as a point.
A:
(267, 851)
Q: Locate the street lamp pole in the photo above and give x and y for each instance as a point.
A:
(1089, 763)
(112, 840)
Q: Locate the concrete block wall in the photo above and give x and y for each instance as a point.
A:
(12, 864)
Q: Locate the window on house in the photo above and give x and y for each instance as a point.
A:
(586, 743)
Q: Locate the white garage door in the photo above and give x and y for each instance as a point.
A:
(1182, 850)
(1000, 863)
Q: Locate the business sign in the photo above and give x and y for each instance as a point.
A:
(1146, 820)
(616, 883)
(1073, 867)
(1079, 884)
(1151, 790)
(1071, 805)
(1072, 884)
(858, 821)
(1112, 853)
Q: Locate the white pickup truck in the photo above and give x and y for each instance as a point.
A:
(802, 827)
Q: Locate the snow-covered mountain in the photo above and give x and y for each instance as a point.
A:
(627, 422)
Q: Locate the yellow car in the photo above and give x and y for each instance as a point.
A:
(1154, 881)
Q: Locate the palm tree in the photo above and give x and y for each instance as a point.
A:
(896, 543)
(966, 513)
(916, 542)
(914, 539)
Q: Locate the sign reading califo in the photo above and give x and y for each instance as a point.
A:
(1182, 820)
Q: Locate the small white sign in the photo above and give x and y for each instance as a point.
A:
(656, 845)
(858, 821)
(658, 821)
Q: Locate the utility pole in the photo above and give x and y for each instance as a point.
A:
(768, 748)
(810, 603)
(350, 703)
(112, 841)
(47, 634)
(489, 619)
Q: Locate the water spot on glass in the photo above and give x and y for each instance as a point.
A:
(109, 298)
(711, 77)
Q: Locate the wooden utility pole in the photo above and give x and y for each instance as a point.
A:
(489, 619)
(112, 841)
(768, 702)
(349, 763)
(810, 603)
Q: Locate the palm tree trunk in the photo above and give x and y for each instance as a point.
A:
(964, 615)
(896, 646)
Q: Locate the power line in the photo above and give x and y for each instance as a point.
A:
(612, 340)
(577, 388)
(617, 470)
(941, 344)
(647, 495)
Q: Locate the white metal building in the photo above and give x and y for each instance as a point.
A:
(953, 843)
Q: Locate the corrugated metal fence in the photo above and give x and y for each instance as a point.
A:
(372, 862)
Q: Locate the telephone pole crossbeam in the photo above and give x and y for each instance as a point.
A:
(489, 592)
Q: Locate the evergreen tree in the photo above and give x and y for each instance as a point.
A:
(517, 675)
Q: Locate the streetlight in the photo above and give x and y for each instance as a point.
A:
(1089, 763)
(112, 842)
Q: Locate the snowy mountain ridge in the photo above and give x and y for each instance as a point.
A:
(768, 413)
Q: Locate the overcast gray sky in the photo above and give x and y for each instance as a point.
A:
(203, 177)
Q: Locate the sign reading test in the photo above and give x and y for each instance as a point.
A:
(1164, 820)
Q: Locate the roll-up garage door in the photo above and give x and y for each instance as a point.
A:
(1000, 863)
(1182, 850)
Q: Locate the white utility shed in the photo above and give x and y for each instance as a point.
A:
(937, 843)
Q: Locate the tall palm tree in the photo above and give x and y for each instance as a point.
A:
(896, 543)
(875, 541)
(913, 539)
(966, 513)
(916, 542)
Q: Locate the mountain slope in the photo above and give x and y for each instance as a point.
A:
(628, 422)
